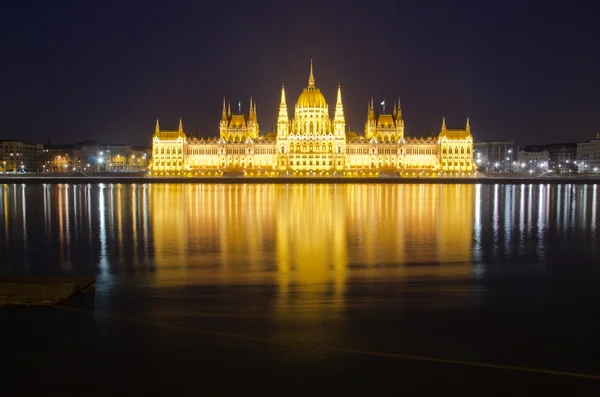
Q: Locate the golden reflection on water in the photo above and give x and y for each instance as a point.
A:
(308, 237)
(311, 234)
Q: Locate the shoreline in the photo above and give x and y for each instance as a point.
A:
(294, 180)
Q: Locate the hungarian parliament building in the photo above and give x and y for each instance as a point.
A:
(312, 144)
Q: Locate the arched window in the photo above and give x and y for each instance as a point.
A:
(168, 150)
(455, 150)
(162, 150)
(445, 151)
(311, 127)
(155, 150)
(462, 150)
(468, 150)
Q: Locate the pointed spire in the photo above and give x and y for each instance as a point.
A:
(180, 125)
(394, 110)
(224, 112)
(282, 103)
(311, 78)
(399, 116)
(157, 129)
(339, 107)
(468, 125)
(229, 108)
(443, 123)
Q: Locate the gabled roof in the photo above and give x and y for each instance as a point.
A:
(455, 135)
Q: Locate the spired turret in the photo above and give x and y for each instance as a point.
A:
(239, 127)
(385, 127)
(282, 119)
(339, 121)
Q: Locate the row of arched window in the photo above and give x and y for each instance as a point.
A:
(462, 150)
(168, 151)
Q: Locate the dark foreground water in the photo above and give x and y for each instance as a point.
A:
(296, 289)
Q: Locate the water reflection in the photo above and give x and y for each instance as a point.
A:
(312, 240)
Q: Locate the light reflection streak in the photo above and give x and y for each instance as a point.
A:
(119, 211)
(496, 219)
(522, 219)
(558, 205)
(584, 208)
(477, 233)
(61, 232)
(88, 201)
(24, 216)
(5, 214)
(145, 221)
(529, 208)
(134, 221)
(574, 198)
(565, 208)
(76, 199)
(103, 262)
(594, 209)
(67, 230)
(509, 208)
(541, 220)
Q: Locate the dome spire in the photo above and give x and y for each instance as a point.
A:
(282, 103)
(180, 125)
(311, 78)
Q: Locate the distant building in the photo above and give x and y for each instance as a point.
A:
(495, 156)
(18, 156)
(59, 158)
(532, 158)
(95, 157)
(562, 156)
(588, 155)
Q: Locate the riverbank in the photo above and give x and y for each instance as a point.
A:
(137, 179)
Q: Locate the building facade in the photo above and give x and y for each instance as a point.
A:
(532, 159)
(312, 144)
(588, 155)
(17, 156)
(495, 156)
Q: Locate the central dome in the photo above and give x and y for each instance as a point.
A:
(311, 96)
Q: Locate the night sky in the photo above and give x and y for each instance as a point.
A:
(106, 70)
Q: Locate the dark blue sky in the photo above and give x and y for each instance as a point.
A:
(106, 70)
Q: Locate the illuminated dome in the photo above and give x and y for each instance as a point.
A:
(311, 97)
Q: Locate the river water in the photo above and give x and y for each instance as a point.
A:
(229, 288)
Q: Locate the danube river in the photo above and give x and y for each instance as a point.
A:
(383, 289)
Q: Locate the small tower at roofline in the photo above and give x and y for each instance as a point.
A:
(311, 78)
(157, 128)
(180, 125)
(282, 119)
(339, 121)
